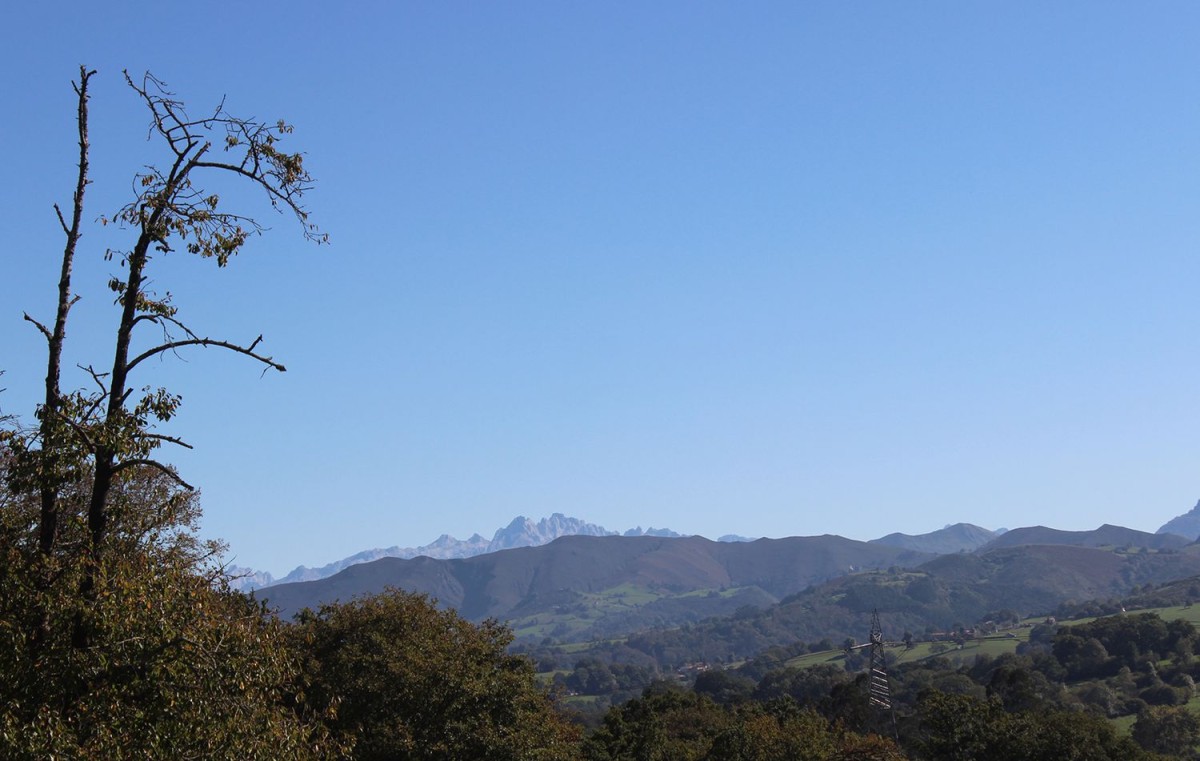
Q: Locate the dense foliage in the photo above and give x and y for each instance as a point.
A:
(404, 680)
(675, 725)
(177, 666)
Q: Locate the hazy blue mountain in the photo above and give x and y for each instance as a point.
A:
(592, 587)
(639, 531)
(1186, 525)
(248, 579)
(1107, 535)
(520, 532)
(961, 537)
(445, 546)
(603, 584)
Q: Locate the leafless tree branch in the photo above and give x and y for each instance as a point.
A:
(168, 439)
(159, 319)
(146, 462)
(45, 331)
(62, 220)
(206, 342)
(97, 377)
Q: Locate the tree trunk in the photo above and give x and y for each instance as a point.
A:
(50, 425)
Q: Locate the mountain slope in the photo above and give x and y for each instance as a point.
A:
(679, 599)
(1105, 536)
(555, 579)
(942, 593)
(961, 537)
(1186, 525)
(520, 532)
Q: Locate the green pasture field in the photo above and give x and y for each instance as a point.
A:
(1189, 613)
(993, 645)
(579, 701)
(588, 607)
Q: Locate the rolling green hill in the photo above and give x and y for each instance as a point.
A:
(584, 586)
(684, 599)
(945, 593)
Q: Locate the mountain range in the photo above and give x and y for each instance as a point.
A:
(520, 532)
(591, 587)
(1107, 535)
(603, 584)
(675, 599)
(656, 571)
(523, 532)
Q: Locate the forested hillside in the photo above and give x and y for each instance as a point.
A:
(947, 593)
(604, 585)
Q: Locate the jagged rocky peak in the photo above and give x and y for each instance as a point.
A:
(247, 579)
(1186, 525)
(639, 531)
(523, 532)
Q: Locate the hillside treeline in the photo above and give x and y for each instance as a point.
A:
(947, 594)
(1055, 699)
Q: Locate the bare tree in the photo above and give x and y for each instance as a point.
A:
(108, 429)
(50, 468)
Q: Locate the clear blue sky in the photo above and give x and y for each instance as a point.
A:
(757, 268)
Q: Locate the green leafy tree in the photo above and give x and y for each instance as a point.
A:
(678, 725)
(1071, 736)
(179, 667)
(724, 687)
(404, 680)
(1021, 689)
(1170, 730)
(1126, 638)
(806, 686)
(961, 728)
(784, 733)
(665, 724)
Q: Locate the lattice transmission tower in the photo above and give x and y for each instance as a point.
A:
(879, 688)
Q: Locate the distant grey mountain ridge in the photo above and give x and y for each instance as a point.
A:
(524, 532)
(959, 537)
(1186, 525)
(688, 579)
(521, 532)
